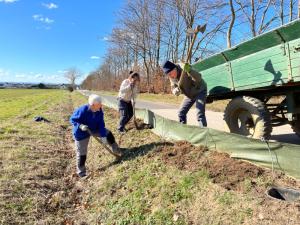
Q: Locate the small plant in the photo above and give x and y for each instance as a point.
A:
(227, 198)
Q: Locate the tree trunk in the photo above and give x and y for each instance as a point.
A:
(231, 24)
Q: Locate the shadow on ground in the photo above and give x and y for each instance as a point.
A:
(138, 151)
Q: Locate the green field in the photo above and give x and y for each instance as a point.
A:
(157, 182)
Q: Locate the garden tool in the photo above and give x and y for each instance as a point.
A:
(190, 50)
(118, 155)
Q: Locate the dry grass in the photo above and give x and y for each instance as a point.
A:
(38, 183)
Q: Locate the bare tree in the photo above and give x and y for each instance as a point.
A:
(231, 24)
(258, 9)
(72, 74)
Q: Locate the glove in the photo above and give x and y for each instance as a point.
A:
(176, 91)
(104, 140)
(187, 68)
(83, 127)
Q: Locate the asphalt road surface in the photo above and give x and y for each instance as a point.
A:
(214, 119)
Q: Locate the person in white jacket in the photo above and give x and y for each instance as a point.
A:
(128, 92)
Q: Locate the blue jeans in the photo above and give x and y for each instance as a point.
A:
(126, 113)
(187, 103)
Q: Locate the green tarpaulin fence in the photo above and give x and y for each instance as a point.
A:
(281, 156)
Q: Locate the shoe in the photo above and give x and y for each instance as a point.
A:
(82, 175)
(115, 149)
(122, 131)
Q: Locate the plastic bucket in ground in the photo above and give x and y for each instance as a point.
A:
(284, 194)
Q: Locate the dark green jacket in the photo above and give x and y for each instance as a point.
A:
(190, 85)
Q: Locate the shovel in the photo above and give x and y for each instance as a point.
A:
(133, 110)
(117, 155)
(190, 50)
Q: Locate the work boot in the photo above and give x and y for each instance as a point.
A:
(115, 149)
(121, 131)
(81, 170)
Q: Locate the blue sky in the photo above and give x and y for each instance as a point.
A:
(39, 40)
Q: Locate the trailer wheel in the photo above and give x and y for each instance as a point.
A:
(296, 127)
(248, 116)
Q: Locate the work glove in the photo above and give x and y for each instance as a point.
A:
(187, 68)
(104, 140)
(83, 127)
(176, 91)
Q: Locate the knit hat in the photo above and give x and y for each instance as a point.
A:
(168, 67)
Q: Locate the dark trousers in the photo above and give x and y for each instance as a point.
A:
(126, 113)
(187, 103)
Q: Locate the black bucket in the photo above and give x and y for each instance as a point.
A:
(284, 194)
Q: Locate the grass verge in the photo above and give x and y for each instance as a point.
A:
(157, 182)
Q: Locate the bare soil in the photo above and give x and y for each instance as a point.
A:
(238, 176)
(222, 169)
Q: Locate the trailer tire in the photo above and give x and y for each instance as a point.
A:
(248, 116)
(296, 127)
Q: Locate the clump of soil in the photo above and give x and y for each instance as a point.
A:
(182, 155)
(222, 169)
(139, 125)
(228, 172)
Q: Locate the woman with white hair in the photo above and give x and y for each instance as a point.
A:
(90, 116)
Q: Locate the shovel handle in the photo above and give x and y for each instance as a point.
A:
(190, 50)
(98, 140)
(189, 55)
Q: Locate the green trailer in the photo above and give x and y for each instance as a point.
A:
(262, 79)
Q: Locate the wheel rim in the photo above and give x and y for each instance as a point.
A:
(243, 123)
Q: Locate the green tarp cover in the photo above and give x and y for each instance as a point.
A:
(281, 156)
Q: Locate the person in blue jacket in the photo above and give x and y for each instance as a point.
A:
(90, 116)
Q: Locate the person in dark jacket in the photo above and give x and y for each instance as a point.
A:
(191, 84)
(90, 116)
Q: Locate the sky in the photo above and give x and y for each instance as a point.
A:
(40, 39)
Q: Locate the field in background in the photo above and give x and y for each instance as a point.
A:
(157, 182)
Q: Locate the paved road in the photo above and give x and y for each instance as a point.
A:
(214, 119)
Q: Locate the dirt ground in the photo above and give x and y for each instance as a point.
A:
(235, 175)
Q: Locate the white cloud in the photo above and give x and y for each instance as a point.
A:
(62, 71)
(20, 76)
(41, 18)
(3, 72)
(38, 75)
(95, 57)
(100, 38)
(8, 1)
(50, 5)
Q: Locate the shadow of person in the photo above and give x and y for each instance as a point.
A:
(277, 75)
(138, 151)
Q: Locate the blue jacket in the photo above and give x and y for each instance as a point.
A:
(94, 120)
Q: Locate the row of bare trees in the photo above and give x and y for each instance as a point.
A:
(149, 32)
